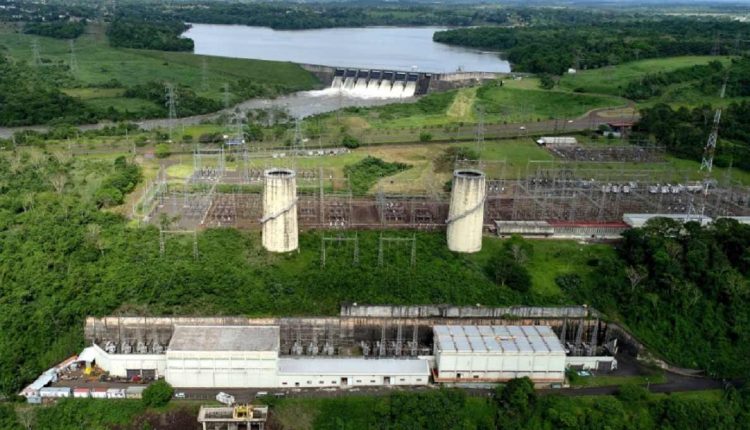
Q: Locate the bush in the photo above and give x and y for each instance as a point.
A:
(367, 172)
(445, 161)
(425, 136)
(349, 141)
(108, 196)
(632, 393)
(157, 394)
(162, 151)
(546, 82)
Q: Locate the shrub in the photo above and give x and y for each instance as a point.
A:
(157, 394)
(425, 136)
(349, 141)
(162, 151)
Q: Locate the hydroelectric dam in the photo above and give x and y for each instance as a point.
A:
(394, 84)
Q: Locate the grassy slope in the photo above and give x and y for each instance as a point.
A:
(517, 101)
(610, 80)
(99, 63)
(508, 104)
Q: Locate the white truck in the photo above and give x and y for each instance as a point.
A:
(225, 398)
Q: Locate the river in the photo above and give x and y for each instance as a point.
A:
(389, 48)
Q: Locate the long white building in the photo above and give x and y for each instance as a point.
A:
(498, 353)
(244, 356)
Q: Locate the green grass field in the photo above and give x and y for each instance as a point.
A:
(98, 63)
(512, 105)
(518, 101)
(611, 80)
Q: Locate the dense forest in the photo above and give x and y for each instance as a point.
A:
(683, 290)
(514, 406)
(189, 102)
(517, 406)
(555, 48)
(58, 29)
(30, 96)
(684, 131)
(295, 16)
(150, 33)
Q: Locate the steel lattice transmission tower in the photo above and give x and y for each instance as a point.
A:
(35, 56)
(73, 60)
(707, 164)
(171, 103)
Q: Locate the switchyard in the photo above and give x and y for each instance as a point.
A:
(575, 196)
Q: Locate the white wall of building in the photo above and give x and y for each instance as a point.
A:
(485, 366)
(313, 380)
(117, 364)
(225, 369)
(308, 372)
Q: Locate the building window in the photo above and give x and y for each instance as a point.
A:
(476, 376)
(359, 381)
(372, 381)
(321, 382)
(309, 382)
(333, 382)
(283, 383)
(402, 379)
(419, 379)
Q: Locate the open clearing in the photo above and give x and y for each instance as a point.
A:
(611, 80)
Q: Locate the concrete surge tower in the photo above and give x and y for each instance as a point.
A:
(280, 210)
(466, 214)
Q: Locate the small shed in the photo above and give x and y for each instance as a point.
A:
(116, 393)
(55, 392)
(81, 393)
(134, 392)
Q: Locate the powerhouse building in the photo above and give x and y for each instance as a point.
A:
(498, 353)
(246, 356)
(223, 356)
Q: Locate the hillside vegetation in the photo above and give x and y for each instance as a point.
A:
(116, 83)
(555, 48)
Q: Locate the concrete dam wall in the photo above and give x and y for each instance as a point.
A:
(395, 83)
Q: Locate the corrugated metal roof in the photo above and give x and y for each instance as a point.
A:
(225, 338)
(498, 339)
(352, 366)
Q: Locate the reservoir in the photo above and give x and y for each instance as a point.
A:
(384, 48)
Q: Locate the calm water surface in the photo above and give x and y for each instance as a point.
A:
(399, 48)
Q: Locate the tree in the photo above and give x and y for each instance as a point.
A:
(350, 141)
(515, 402)
(157, 394)
(505, 271)
(546, 82)
(162, 151)
(59, 180)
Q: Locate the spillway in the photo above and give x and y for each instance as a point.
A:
(379, 84)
